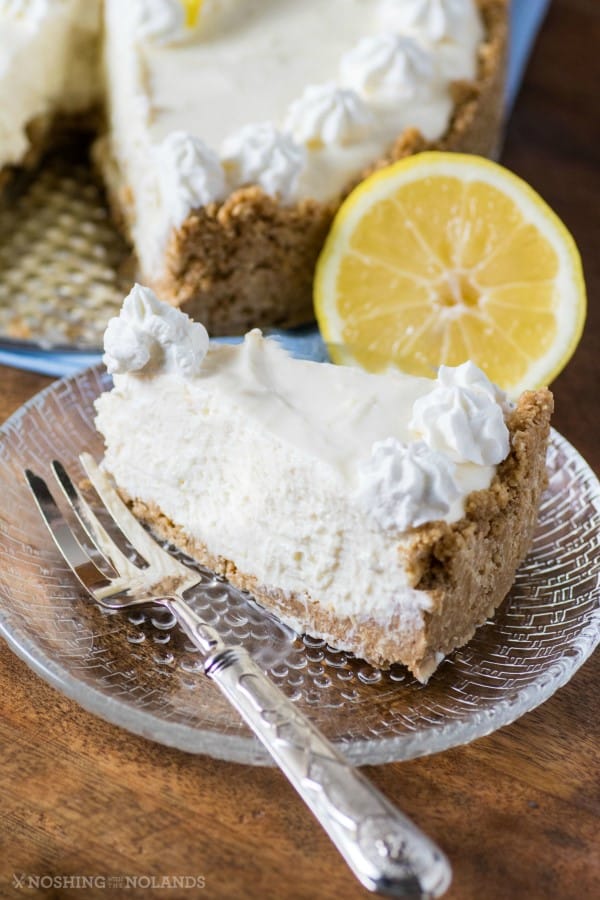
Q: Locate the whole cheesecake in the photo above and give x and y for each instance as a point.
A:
(386, 514)
(233, 129)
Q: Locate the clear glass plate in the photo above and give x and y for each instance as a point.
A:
(140, 672)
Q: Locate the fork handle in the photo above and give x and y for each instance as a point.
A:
(384, 849)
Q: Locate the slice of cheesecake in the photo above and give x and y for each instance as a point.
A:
(384, 513)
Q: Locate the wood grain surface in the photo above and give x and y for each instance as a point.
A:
(516, 812)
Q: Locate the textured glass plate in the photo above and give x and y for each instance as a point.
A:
(140, 672)
(63, 266)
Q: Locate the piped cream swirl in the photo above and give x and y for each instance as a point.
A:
(387, 67)
(263, 155)
(326, 114)
(402, 486)
(189, 174)
(463, 417)
(151, 337)
(435, 20)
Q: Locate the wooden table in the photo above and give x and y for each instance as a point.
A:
(517, 812)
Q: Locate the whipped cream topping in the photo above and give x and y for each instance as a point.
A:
(435, 20)
(402, 486)
(190, 174)
(463, 417)
(328, 114)
(263, 155)
(149, 336)
(470, 376)
(387, 67)
(159, 21)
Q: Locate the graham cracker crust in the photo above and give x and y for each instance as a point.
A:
(249, 262)
(466, 568)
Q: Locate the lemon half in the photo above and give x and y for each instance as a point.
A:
(444, 257)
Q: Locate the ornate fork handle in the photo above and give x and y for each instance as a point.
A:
(384, 849)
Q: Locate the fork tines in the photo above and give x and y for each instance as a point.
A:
(93, 553)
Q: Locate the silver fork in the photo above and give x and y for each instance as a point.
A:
(383, 848)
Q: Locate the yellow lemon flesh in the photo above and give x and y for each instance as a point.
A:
(444, 257)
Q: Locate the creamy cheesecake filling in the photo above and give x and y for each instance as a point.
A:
(282, 465)
(210, 468)
(48, 64)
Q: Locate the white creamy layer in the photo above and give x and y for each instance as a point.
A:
(298, 97)
(307, 476)
(48, 53)
(275, 511)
